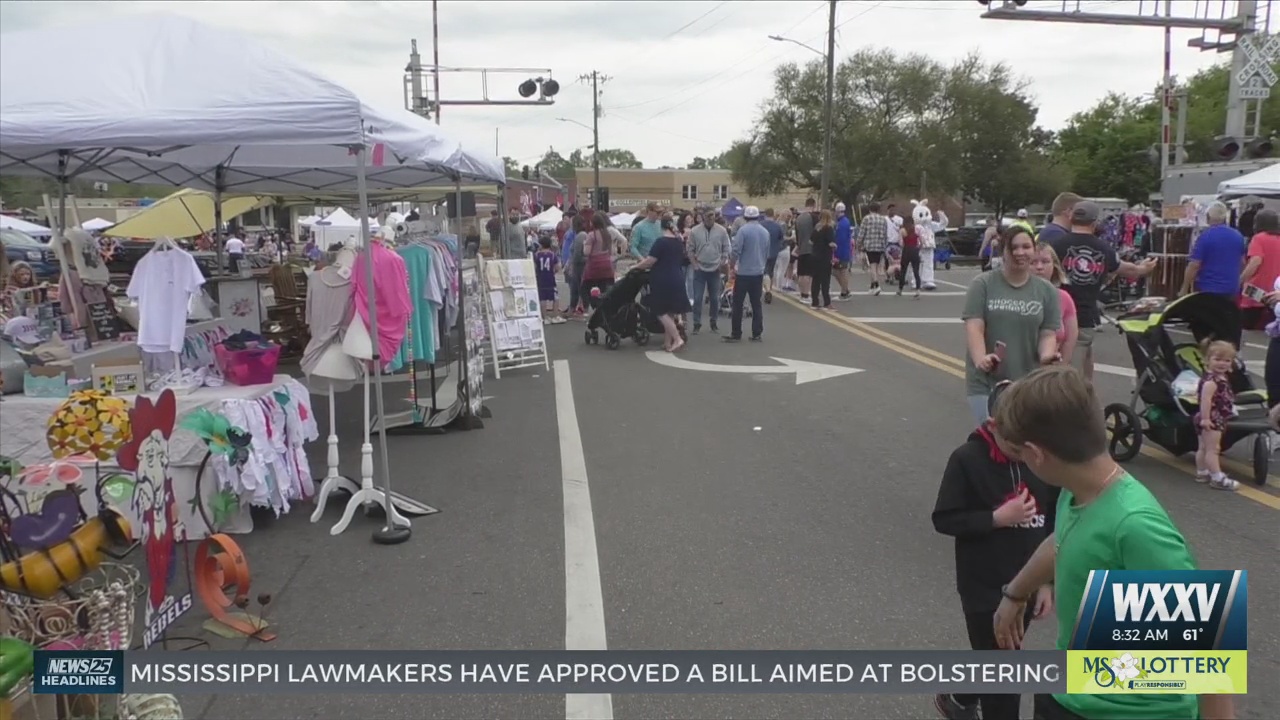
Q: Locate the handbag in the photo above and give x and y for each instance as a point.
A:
(599, 264)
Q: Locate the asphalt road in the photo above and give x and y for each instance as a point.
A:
(728, 510)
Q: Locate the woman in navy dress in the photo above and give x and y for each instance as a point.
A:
(668, 298)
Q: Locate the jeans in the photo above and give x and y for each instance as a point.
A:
(978, 406)
(745, 286)
(708, 280)
(575, 287)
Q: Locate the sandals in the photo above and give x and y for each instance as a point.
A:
(1224, 483)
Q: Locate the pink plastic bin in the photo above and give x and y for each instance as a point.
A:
(254, 366)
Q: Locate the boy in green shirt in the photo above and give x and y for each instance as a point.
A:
(1106, 520)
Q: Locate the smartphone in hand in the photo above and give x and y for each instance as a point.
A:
(1001, 348)
(1255, 293)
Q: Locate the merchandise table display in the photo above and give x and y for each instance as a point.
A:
(516, 337)
(271, 472)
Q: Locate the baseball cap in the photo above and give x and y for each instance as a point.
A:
(1085, 213)
(751, 211)
(1022, 213)
(23, 330)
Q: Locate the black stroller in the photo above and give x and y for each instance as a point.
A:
(623, 314)
(1157, 410)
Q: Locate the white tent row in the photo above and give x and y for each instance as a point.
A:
(1264, 183)
(9, 222)
(254, 121)
(623, 220)
(337, 227)
(95, 224)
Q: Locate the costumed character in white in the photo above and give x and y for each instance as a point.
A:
(926, 230)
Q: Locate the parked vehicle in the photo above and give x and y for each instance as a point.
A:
(21, 247)
(129, 252)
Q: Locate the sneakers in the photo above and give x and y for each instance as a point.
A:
(875, 289)
(846, 297)
(697, 329)
(951, 709)
(916, 296)
(757, 338)
(899, 291)
(768, 297)
(1222, 482)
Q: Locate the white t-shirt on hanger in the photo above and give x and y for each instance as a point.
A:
(163, 283)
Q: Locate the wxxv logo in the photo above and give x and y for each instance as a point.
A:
(1163, 610)
(79, 672)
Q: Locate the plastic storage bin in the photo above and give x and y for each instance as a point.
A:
(251, 366)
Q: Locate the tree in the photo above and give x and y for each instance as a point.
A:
(512, 167)
(902, 119)
(1106, 148)
(716, 162)
(555, 165)
(609, 158)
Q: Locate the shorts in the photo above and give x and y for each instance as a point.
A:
(1085, 338)
(547, 294)
(875, 257)
(841, 265)
(804, 266)
(770, 265)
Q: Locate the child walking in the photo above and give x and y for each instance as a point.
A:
(1217, 406)
(545, 263)
(999, 512)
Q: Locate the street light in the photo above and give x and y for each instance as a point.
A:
(779, 38)
(828, 101)
(575, 122)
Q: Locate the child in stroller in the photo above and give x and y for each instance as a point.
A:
(726, 297)
(622, 314)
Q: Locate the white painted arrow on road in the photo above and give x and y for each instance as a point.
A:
(805, 372)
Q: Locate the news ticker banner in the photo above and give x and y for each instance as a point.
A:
(900, 672)
(1166, 631)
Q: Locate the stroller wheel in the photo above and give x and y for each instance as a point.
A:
(1261, 458)
(948, 265)
(592, 337)
(612, 341)
(641, 336)
(1125, 430)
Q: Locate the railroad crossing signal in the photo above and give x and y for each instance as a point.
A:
(1257, 77)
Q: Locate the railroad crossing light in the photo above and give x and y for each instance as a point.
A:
(1258, 148)
(527, 88)
(550, 88)
(524, 172)
(1226, 148)
(537, 173)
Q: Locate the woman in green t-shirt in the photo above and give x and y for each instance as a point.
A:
(1106, 520)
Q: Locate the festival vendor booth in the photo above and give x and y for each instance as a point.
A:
(337, 227)
(1264, 183)
(261, 124)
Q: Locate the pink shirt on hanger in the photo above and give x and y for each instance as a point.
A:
(391, 296)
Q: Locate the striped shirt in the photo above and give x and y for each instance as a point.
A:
(873, 234)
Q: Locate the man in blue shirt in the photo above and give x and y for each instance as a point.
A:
(1217, 258)
(844, 250)
(776, 235)
(749, 256)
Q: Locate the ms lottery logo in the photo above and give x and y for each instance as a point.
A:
(79, 672)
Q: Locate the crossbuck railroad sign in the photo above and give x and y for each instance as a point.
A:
(1257, 77)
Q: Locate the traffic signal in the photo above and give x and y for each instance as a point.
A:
(537, 173)
(1258, 148)
(602, 200)
(527, 88)
(524, 172)
(1226, 148)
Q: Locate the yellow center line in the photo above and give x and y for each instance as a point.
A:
(954, 366)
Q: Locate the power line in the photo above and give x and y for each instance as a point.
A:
(694, 21)
(702, 81)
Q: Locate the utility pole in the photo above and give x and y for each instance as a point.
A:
(830, 101)
(596, 78)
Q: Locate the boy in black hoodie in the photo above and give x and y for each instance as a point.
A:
(999, 513)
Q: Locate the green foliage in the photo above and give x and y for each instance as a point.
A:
(609, 158)
(716, 162)
(901, 122)
(28, 192)
(1109, 147)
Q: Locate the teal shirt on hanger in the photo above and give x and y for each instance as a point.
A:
(422, 325)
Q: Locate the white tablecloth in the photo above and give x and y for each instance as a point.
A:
(23, 422)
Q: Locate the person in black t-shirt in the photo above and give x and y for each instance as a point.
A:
(1089, 262)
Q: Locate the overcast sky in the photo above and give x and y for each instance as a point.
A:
(687, 77)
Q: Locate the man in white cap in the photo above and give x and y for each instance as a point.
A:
(844, 250)
(748, 258)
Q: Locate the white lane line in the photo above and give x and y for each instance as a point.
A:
(584, 627)
(948, 282)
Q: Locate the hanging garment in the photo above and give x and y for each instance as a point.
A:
(391, 298)
(162, 283)
(329, 309)
(422, 340)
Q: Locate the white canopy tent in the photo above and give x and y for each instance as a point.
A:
(1264, 183)
(255, 121)
(309, 220)
(623, 220)
(8, 222)
(95, 224)
(549, 217)
(337, 226)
